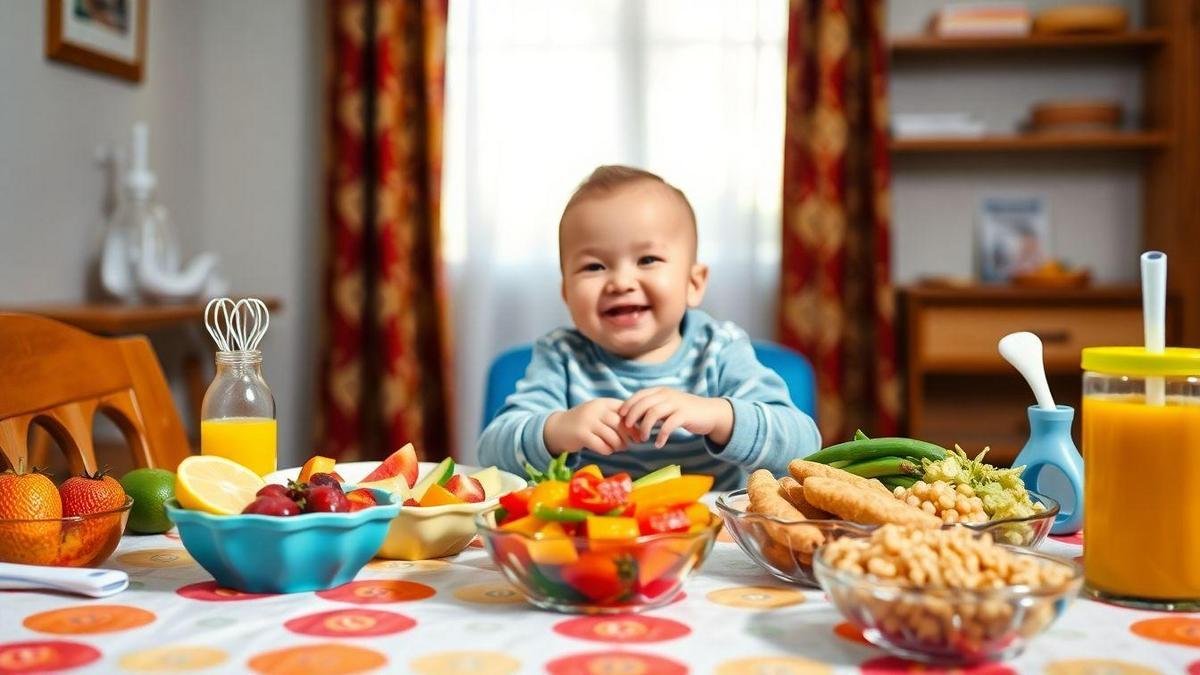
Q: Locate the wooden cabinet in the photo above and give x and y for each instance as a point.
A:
(959, 389)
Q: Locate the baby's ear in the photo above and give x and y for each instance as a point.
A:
(697, 283)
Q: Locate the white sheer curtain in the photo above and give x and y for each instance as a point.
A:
(540, 92)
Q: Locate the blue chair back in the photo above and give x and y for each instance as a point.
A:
(797, 374)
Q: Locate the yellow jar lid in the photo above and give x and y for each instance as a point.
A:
(1179, 361)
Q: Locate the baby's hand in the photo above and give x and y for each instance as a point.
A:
(712, 417)
(594, 425)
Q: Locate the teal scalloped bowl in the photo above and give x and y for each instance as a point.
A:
(270, 554)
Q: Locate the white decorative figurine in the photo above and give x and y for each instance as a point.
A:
(140, 259)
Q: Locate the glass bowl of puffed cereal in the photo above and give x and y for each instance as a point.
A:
(949, 596)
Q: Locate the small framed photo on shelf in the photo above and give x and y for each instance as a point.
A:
(107, 36)
(1013, 237)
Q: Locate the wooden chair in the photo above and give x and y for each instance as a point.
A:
(59, 377)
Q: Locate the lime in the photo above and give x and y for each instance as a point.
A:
(149, 489)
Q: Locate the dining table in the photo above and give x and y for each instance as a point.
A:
(460, 615)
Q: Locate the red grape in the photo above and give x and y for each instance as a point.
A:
(273, 490)
(269, 505)
(324, 479)
(325, 499)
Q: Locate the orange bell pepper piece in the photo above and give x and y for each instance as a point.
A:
(528, 525)
(592, 469)
(551, 493)
(683, 490)
(552, 546)
(611, 527)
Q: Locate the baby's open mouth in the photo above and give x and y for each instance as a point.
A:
(625, 311)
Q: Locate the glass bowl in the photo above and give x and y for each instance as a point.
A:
(948, 626)
(74, 541)
(774, 543)
(578, 575)
(284, 554)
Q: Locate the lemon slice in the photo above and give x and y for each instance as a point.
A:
(215, 485)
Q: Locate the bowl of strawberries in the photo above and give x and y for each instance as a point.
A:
(75, 524)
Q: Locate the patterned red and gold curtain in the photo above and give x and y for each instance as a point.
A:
(385, 372)
(837, 303)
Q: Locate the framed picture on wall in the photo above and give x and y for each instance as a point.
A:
(108, 36)
(1014, 236)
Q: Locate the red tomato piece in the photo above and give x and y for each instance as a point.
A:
(516, 503)
(599, 495)
(664, 519)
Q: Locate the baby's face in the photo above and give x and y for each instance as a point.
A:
(629, 270)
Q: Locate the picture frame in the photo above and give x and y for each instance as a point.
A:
(107, 36)
(1013, 236)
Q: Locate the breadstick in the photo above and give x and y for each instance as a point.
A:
(794, 493)
(864, 505)
(802, 470)
(766, 500)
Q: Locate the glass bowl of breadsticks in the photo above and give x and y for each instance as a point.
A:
(780, 523)
(945, 596)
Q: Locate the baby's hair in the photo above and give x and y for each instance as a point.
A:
(608, 178)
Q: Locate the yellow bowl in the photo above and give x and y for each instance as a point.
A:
(422, 532)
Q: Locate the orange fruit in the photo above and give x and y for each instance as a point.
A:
(23, 497)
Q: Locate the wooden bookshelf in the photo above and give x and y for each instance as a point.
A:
(929, 44)
(1136, 140)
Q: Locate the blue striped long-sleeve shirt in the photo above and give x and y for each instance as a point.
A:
(716, 360)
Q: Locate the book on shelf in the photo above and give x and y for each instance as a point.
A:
(925, 125)
(988, 19)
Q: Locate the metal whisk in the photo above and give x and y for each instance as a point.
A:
(236, 325)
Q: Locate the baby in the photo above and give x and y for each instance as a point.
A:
(644, 379)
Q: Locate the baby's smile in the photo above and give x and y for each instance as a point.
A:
(625, 315)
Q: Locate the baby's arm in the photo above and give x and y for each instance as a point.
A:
(768, 430)
(515, 436)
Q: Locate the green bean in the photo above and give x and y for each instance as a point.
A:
(841, 464)
(878, 447)
(894, 482)
(884, 466)
(860, 436)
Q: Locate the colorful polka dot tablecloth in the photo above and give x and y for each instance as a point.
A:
(458, 615)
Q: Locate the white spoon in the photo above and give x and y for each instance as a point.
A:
(1024, 351)
(98, 583)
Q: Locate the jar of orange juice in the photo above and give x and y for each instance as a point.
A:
(237, 417)
(1141, 449)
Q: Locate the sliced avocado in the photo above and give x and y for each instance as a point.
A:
(489, 478)
(439, 475)
(658, 476)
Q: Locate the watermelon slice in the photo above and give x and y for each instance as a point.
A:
(402, 462)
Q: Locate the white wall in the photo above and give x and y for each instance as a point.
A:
(232, 92)
(1094, 198)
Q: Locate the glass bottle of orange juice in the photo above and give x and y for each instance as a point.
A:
(237, 417)
(1141, 449)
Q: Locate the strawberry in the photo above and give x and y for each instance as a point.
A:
(90, 493)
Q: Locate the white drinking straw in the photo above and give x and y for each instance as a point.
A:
(1154, 316)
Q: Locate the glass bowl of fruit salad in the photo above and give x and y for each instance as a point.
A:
(584, 543)
(440, 499)
(75, 524)
(273, 538)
